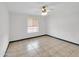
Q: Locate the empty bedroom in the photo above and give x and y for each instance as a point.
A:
(39, 29)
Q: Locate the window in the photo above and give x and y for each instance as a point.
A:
(32, 25)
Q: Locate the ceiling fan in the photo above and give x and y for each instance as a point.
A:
(45, 10)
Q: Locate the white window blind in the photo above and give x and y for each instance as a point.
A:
(32, 25)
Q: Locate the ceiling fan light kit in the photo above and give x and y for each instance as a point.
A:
(44, 10)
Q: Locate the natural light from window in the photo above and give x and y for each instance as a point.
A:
(32, 25)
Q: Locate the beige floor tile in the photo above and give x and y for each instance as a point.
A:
(43, 46)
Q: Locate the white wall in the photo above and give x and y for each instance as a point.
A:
(64, 22)
(4, 29)
(18, 26)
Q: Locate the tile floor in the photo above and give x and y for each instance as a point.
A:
(43, 46)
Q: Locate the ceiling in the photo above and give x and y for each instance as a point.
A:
(29, 7)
